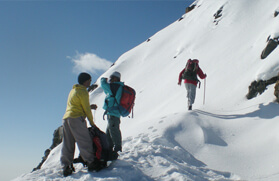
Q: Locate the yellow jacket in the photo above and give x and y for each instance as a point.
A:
(78, 104)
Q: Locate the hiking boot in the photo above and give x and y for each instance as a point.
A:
(80, 160)
(96, 165)
(114, 155)
(68, 170)
(190, 108)
(117, 148)
(104, 164)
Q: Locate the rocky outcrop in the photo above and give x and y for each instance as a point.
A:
(258, 87)
(272, 43)
(190, 8)
(217, 16)
(57, 139)
(276, 91)
(58, 136)
(92, 87)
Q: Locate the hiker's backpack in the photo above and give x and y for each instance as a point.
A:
(191, 68)
(127, 100)
(100, 143)
(101, 147)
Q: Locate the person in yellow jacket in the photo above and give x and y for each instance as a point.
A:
(75, 127)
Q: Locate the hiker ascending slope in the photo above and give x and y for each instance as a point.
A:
(113, 90)
(75, 127)
(190, 75)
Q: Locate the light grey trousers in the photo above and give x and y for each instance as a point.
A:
(191, 93)
(75, 130)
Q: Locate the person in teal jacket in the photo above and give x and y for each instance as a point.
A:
(113, 90)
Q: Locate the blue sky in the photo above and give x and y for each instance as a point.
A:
(43, 47)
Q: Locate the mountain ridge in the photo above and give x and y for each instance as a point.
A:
(228, 137)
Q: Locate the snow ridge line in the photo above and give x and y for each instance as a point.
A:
(160, 159)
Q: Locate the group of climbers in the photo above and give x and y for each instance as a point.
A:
(75, 127)
(78, 109)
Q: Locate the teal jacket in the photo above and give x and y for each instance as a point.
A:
(113, 93)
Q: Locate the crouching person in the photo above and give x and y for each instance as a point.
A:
(75, 127)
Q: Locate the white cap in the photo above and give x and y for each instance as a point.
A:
(116, 74)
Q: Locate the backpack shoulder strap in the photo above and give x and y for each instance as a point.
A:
(196, 65)
(114, 88)
(187, 64)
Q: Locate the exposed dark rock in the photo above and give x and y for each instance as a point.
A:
(258, 87)
(92, 87)
(190, 8)
(271, 45)
(276, 89)
(276, 13)
(57, 139)
(180, 19)
(218, 15)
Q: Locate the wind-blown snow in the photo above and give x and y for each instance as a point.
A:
(227, 138)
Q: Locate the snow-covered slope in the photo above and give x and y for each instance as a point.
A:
(228, 137)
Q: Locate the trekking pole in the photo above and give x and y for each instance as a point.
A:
(204, 91)
(94, 118)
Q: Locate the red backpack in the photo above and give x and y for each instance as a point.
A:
(191, 68)
(127, 101)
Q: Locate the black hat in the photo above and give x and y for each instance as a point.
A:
(83, 77)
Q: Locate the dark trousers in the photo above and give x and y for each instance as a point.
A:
(114, 133)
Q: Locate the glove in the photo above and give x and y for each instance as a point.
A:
(93, 106)
(104, 78)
